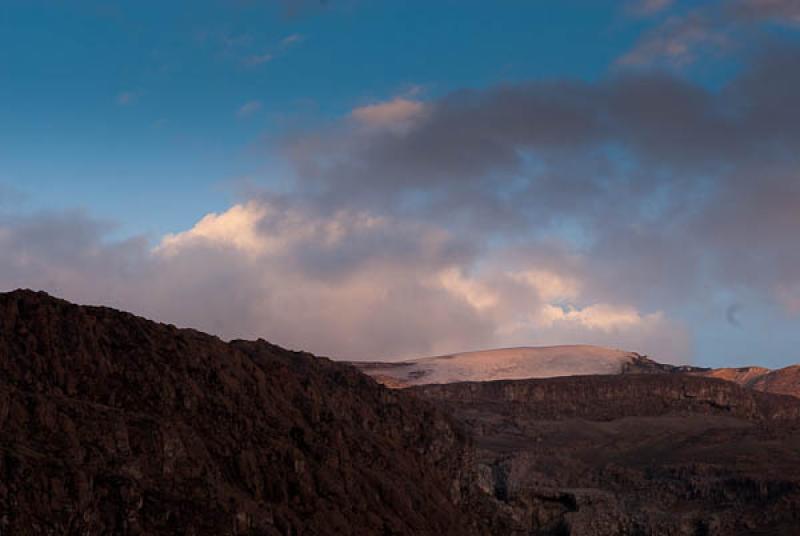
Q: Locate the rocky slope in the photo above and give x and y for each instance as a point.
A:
(785, 381)
(647, 454)
(111, 424)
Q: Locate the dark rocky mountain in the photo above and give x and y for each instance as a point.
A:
(656, 454)
(112, 424)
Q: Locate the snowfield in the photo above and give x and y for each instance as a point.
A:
(502, 364)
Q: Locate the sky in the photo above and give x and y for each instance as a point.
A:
(387, 180)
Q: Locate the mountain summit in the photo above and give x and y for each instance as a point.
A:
(505, 364)
(568, 360)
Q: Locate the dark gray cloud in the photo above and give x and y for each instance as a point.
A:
(649, 176)
(732, 314)
(784, 11)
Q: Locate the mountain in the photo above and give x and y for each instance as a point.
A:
(785, 381)
(112, 424)
(649, 454)
(513, 363)
(501, 364)
(553, 361)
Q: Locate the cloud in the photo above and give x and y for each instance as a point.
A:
(637, 178)
(650, 7)
(292, 39)
(732, 314)
(549, 286)
(475, 293)
(251, 51)
(258, 59)
(602, 317)
(249, 108)
(349, 283)
(678, 42)
(235, 228)
(398, 113)
(710, 29)
(127, 98)
(784, 11)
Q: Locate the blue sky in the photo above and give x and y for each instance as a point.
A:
(130, 109)
(617, 173)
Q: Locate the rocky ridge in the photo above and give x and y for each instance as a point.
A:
(647, 454)
(554, 361)
(112, 424)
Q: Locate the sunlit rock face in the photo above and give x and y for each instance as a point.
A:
(785, 381)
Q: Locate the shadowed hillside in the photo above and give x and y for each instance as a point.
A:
(654, 454)
(112, 424)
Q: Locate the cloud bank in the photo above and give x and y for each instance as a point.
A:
(553, 211)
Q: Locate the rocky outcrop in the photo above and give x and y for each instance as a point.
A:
(112, 424)
(641, 364)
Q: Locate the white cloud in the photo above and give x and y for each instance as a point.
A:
(292, 39)
(603, 317)
(237, 228)
(473, 292)
(549, 285)
(249, 108)
(258, 59)
(677, 42)
(398, 113)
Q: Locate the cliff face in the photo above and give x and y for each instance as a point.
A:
(111, 424)
(660, 454)
(610, 397)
